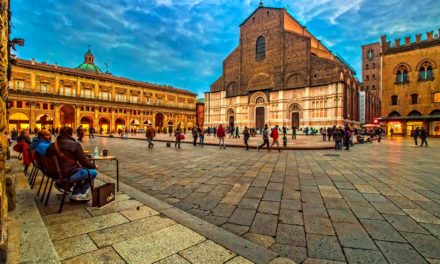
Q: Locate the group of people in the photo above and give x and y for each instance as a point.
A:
(420, 133)
(73, 163)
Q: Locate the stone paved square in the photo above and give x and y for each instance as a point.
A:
(377, 202)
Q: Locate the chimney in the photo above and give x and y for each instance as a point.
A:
(383, 41)
(429, 35)
(397, 43)
(407, 40)
(418, 38)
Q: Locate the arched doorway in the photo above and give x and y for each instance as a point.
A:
(134, 123)
(86, 122)
(231, 118)
(44, 121)
(295, 110)
(67, 116)
(119, 123)
(159, 121)
(259, 117)
(104, 125)
(18, 121)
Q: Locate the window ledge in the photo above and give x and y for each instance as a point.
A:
(401, 83)
(425, 80)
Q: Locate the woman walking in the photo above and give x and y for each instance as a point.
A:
(221, 136)
(178, 136)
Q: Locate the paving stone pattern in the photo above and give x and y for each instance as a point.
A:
(376, 203)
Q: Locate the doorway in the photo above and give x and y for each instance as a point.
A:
(259, 117)
(295, 119)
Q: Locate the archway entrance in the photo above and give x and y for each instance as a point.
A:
(231, 119)
(86, 123)
(159, 121)
(295, 119)
(119, 123)
(104, 125)
(259, 117)
(44, 121)
(67, 115)
(18, 121)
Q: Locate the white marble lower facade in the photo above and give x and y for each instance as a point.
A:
(319, 106)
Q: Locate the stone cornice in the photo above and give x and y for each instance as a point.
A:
(99, 76)
(412, 46)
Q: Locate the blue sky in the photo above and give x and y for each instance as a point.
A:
(183, 42)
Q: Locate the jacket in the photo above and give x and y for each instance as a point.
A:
(275, 134)
(73, 150)
(151, 132)
(40, 146)
(220, 132)
(265, 133)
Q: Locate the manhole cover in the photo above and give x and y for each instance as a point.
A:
(331, 155)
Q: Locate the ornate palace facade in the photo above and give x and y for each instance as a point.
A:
(281, 74)
(410, 84)
(43, 95)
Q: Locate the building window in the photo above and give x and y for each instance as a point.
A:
(402, 75)
(366, 66)
(414, 99)
(67, 91)
(87, 93)
(436, 98)
(20, 85)
(374, 77)
(373, 87)
(133, 99)
(104, 95)
(260, 49)
(425, 72)
(394, 100)
(260, 100)
(370, 54)
(121, 97)
(367, 77)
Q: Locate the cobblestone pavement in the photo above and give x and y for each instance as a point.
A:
(376, 203)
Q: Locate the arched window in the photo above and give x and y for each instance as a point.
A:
(370, 54)
(374, 77)
(373, 87)
(402, 74)
(260, 100)
(366, 66)
(425, 72)
(394, 100)
(414, 98)
(367, 77)
(260, 48)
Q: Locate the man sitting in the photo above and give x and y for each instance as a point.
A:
(73, 163)
(41, 142)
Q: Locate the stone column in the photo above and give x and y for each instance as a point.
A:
(113, 92)
(96, 90)
(154, 119)
(33, 82)
(77, 116)
(57, 85)
(57, 118)
(112, 121)
(78, 88)
(127, 118)
(96, 120)
(32, 117)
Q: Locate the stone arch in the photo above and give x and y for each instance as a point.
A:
(414, 113)
(230, 115)
(44, 121)
(422, 62)
(394, 114)
(159, 120)
(119, 123)
(254, 97)
(400, 66)
(435, 112)
(67, 115)
(261, 81)
(18, 121)
(232, 89)
(104, 124)
(295, 80)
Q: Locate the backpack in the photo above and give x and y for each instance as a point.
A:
(271, 134)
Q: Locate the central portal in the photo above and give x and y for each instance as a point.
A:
(295, 119)
(259, 117)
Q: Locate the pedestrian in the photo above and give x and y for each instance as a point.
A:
(391, 132)
(150, 134)
(337, 137)
(221, 136)
(265, 133)
(423, 136)
(91, 132)
(179, 136)
(215, 131)
(415, 134)
(284, 130)
(80, 133)
(275, 136)
(323, 133)
(347, 137)
(294, 132)
(237, 132)
(285, 141)
(201, 136)
(171, 131)
(195, 135)
(379, 133)
(329, 133)
(246, 136)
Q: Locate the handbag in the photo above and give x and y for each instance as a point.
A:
(103, 195)
(181, 136)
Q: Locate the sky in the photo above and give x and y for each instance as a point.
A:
(183, 42)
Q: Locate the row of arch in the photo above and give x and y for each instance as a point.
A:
(435, 112)
(424, 68)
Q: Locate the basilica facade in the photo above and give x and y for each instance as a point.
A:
(280, 74)
(51, 96)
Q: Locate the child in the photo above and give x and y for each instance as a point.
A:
(284, 141)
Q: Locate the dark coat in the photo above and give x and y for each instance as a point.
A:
(73, 150)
